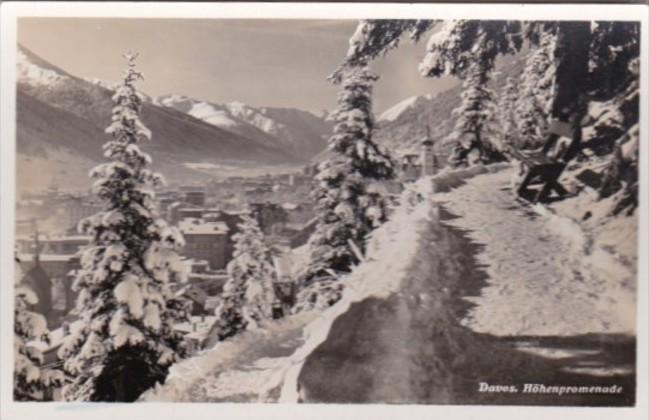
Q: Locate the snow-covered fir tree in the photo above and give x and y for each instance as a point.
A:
(349, 194)
(30, 380)
(247, 296)
(507, 109)
(127, 301)
(534, 106)
(477, 131)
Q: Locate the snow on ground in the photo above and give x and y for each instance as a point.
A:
(263, 365)
(249, 367)
(542, 280)
(545, 275)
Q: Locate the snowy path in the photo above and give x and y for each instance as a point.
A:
(539, 281)
(495, 296)
(467, 287)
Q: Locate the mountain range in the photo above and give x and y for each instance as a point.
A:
(402, 126)
(61, 120)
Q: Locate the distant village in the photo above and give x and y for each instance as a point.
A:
(48, 243)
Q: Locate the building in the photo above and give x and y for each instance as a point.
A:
(197, 296)
(50, 264)
(205, 240)
(269, 216)
(76, 209)
(409, 167)
(64, 245)
(284, 286)
(51, 277)
(195, 198)
(193, 194)
(195, 331)
(40, 283)
(414, 165)
(428, 160)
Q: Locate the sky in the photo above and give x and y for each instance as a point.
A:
(262, 62)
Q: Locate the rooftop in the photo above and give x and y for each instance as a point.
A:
(46, 257)
(196, 226)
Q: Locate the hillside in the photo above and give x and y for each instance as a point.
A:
(60, 112)
(291, 130)
(400, 127)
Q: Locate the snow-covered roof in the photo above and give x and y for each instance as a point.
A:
(56, 337)
(207, 276)
(289, 206)
(203, 324)
(195, 226)
(46, 257)
(193, 261)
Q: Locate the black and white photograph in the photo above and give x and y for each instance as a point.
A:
(373, 209)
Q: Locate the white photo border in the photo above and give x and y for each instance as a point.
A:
(11, 11)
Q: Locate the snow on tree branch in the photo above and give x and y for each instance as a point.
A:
(129, 272)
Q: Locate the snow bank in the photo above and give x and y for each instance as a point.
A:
(391, 252)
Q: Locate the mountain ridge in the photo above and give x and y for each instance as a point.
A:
(58, 111)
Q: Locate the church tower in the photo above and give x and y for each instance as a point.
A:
(427, 158)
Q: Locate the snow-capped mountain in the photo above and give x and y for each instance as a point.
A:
(296, 131)
(393, 113)
(33, 72)
(57, 111)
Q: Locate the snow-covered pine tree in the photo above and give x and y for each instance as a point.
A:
(507, 109)
(29, 379)
(375, 37)
(349, 195)
(534, 106)
(127, 302)
(477, 132)
(247, 296)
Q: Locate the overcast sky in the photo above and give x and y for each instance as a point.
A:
(280, 63)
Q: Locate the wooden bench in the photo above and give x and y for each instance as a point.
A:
(544, 169)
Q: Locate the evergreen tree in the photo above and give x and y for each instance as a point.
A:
(537, 91)
(459, 45)
(127, 302)
(350, 201)
(507, 106)
(572, 63)
(29, 379)
(247, 295)
(476, 131)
